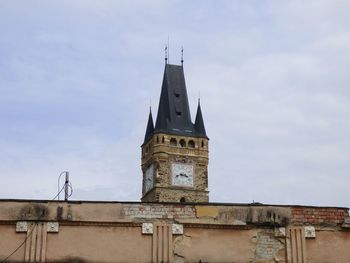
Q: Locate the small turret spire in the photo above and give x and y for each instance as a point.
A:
(150, 126)
(199, 123)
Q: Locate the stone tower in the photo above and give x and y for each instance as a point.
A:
(175, 150)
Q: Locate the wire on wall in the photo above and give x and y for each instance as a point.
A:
(68, 192)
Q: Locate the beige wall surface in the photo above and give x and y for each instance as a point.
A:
(99, 244)
(215, 245)
(329, 246)
(9, 241)
(111, 232)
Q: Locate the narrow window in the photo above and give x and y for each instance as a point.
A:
(191, 144)
(182, 143)
(157, 139)
(202, 144)
(163, 139)
(173, 142)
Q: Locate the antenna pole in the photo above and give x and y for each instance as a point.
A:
(168, 50)
(66, 185)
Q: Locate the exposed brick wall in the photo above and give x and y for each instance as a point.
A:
(319, 215)
(268, 248)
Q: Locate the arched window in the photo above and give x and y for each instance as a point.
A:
(202, 144)
(191, 144)
(163, 139)
(173, 142)
(182, 143)
(157, 139)
(182, 200)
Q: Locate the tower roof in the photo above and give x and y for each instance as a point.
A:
(150, 127)
(174, 115)
(174, 112)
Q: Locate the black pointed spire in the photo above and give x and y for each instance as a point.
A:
(199, 123)
(174, 112)
(150, 127)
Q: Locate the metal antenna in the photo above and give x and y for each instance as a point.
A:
(168, 50)
(66, 185)
(182, 56)
(58, 185)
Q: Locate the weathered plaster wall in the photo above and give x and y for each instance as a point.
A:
(9, 241)
(329, 246)
(98, 243)
(116, 232)
(215, 245)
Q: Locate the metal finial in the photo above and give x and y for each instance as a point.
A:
(182, 56)
(168, 49)
(166, 54)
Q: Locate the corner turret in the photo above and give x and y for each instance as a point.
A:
(150, 127)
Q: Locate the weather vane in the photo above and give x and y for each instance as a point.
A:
(182, 56)
(166, 54)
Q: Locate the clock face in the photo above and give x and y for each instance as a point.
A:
(182, 174)
(149, 178)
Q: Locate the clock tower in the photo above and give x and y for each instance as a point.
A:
(175, 150)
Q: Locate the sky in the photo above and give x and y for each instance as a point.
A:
(77, 78)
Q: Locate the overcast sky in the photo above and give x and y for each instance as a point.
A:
(77, 78)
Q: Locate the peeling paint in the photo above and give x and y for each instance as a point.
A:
(269, 248)
(180, 244)
(207, 211)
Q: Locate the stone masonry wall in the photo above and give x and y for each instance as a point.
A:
(162, 154)
(268, 247)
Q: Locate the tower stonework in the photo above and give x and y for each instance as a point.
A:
(175, 150)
